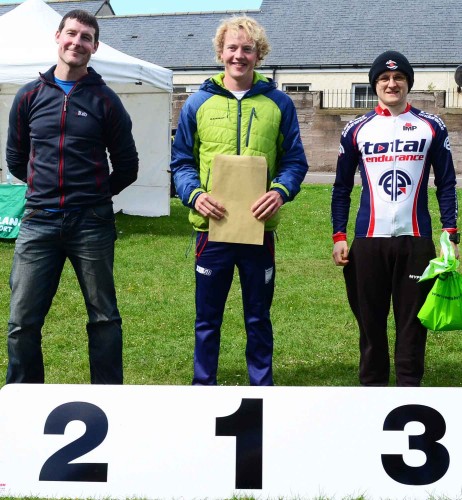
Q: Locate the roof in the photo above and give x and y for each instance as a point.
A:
(349, 32)
(96, 7)
(302, 33)
(173, 41)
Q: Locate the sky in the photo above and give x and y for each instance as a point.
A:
(160, 6)
(122, 7)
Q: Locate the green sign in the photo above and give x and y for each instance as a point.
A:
(12, 203)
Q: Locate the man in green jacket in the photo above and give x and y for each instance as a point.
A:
(238, 112)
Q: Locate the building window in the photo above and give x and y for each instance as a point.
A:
(363, 97)
(295, 87)
(179, 89)
(188, 89)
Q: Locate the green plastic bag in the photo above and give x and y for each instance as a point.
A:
(442, 309)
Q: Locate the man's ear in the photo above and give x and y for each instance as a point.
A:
(95, 48)
(57, 36)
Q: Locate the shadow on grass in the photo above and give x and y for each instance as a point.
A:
(7, 242)
(334, 374)
(324, 374)
(437, 374)
(442, 373)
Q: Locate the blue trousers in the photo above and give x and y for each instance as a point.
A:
(45, 240)
(215, 264)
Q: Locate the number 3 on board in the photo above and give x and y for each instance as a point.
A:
(437, 462)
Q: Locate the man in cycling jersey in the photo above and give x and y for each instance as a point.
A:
(394, 146)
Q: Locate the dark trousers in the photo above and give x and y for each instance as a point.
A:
(215, 264)
(381, 270)
(46, 239)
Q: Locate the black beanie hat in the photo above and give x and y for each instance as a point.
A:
(391, 61)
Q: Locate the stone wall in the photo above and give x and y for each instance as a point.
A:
(321, 128)
(453, 120)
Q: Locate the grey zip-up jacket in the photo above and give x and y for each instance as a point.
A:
(58, 143)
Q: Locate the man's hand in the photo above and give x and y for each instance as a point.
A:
(454, 247)
(267, 206)
(209, 207)
(340, 253)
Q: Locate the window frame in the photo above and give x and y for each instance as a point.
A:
(369, 98)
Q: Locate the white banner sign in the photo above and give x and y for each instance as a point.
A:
(172, 442)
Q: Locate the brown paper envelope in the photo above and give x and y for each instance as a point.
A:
(237, 183)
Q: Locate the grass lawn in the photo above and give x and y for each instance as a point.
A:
(316, 339)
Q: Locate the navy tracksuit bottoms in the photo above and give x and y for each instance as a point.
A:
(215, 264)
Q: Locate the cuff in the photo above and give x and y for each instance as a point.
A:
(339, 237)
(193, 197)
(281, 192)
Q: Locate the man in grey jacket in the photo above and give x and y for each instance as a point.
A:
(61, 127)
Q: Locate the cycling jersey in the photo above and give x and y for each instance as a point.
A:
(394, 155)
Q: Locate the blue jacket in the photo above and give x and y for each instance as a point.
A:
(58, 143)
(263, 123)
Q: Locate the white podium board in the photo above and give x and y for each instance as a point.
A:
(170, 442)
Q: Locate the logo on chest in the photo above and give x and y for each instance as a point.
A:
(394, 151)
(408, 127)
(395, 185)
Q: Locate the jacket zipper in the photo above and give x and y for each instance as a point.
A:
(239, 117)
(252, 114)
(394, 183)
(61, 154)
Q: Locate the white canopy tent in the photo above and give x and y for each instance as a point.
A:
(27, 47)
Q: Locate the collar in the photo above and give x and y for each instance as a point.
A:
(385, 112)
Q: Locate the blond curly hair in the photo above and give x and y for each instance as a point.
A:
(253, 30)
